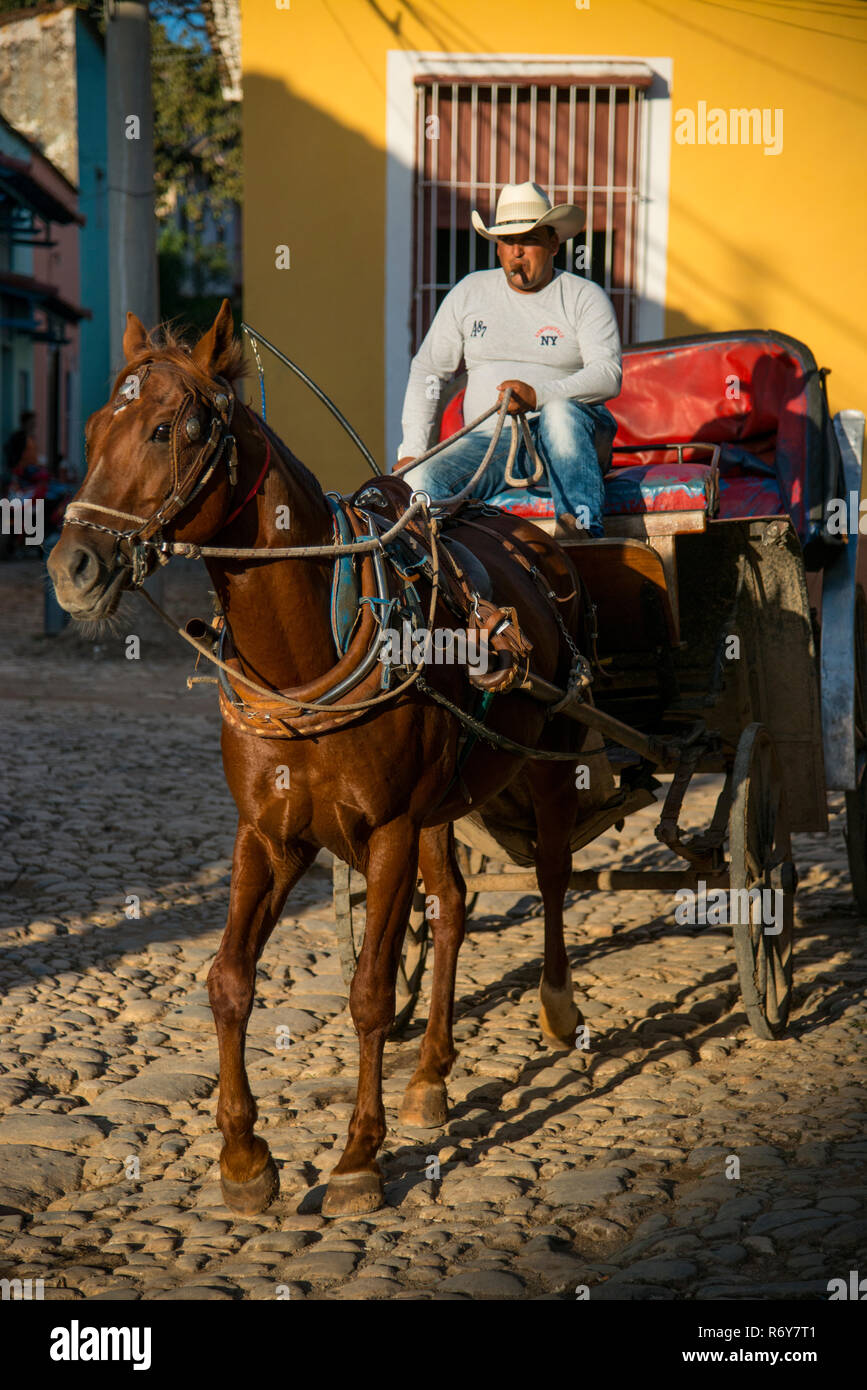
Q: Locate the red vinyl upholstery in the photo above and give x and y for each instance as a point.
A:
(745, 392)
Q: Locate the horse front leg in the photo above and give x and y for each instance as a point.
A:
(355, 1185)
(248, 1175)
(425, 1103)
(555, 803)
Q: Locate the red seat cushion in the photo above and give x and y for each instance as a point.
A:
(667, 487)
(756, 394)
(640, 487)
(671, 488)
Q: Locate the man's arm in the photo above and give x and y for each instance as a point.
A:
(599, 342)
(436, 361)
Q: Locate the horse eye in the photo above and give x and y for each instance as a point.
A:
(162, 433)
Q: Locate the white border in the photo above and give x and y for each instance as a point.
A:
(652, 224)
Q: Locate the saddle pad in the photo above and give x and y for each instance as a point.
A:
(344, 583)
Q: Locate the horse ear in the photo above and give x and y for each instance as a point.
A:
(214, 349)
(135, 337)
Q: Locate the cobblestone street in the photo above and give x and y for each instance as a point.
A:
(601, 1170)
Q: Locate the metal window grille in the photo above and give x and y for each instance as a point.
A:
(580, 142)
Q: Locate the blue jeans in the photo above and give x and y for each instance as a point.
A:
(566, 435)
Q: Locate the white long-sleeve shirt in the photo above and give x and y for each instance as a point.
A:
(563, 341)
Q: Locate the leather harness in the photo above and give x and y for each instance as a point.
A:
(389, 573)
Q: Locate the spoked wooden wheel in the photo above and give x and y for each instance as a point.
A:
(470, 861)
(350, 896)
(856, 801)
(760, 849)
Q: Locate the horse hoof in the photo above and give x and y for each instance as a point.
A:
(425, 1106)
(561, 1035)
(352, 1194)
(559, 1019)
(255, 1195)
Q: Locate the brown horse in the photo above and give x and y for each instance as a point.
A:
(364, 790)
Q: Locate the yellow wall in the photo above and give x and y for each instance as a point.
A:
(754, 241)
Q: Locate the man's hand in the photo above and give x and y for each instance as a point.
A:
(523, 396)
(405, 462)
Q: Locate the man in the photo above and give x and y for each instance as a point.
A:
(550, 336)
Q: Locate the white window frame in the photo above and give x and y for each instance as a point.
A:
(651, 250)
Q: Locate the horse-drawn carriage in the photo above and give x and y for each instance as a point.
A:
(724, 632)
(730, 613)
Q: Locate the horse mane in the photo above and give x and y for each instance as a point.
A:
(167, 344)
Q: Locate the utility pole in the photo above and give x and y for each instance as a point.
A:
(132, 225)
(132, 265)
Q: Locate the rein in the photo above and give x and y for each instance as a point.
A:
(146, 543)
(285, 696)
(466, 491)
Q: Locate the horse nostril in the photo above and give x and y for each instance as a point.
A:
(83, 568)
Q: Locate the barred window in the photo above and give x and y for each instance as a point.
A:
(580, 142)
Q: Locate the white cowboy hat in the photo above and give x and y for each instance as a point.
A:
(523, 206)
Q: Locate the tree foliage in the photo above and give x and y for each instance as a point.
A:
(197, 161)
(184, 18)
(197, 144)
(197, 152)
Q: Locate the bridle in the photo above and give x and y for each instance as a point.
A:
(145, 545)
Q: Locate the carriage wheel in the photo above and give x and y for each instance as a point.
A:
(350, 894)
(760, 851)
(856, 801)
(470, 861)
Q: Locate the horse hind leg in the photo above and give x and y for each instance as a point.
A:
(425, 1103)
(248, 1174)
(555, 801)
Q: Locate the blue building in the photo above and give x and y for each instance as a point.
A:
(93, 204)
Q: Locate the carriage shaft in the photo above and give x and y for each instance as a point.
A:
(655, 750)
(597, 880)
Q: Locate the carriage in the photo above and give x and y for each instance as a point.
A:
(729, 638)
(729, 593)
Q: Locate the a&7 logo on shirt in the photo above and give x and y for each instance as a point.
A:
(479, 329)
(549, 335)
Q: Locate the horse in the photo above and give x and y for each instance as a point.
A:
(377, 789)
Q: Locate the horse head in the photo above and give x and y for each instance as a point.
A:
(161, 466)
